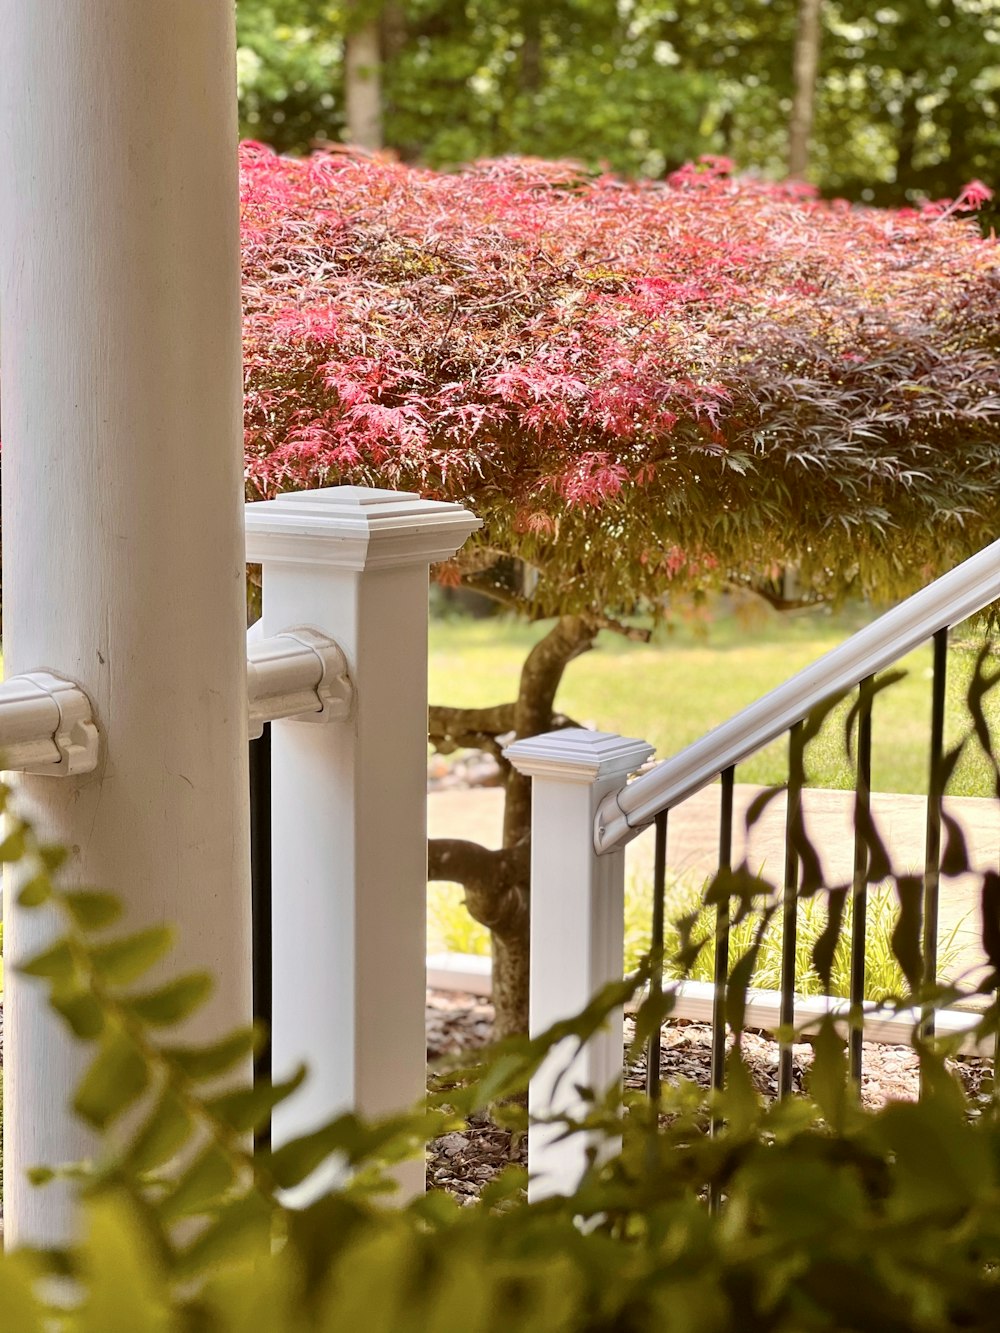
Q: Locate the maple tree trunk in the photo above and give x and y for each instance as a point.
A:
(363, 85)
(511, 981)
(805, 69)
(497, 881)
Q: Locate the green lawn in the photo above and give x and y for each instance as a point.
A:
(690, 679)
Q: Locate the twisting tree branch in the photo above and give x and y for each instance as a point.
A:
(541, 676)
(487, 583)
(494, 880)
(450, 729)
(637, 633)
(774, 599)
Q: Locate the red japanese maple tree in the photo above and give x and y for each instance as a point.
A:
(638, 386)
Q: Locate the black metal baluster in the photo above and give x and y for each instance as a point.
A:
(260, 881)
(935, 792)
(722, 934)
(656, 950)
(789, 915)
(721, 958)
(862, 806)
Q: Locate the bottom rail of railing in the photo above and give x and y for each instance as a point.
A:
(882, 1023)
(694, 1001)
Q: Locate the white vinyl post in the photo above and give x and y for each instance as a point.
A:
(122, 502)
(349, 815)
(577, 929)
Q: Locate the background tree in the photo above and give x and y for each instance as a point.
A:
(363, 58)
(906, 95)
(805, 71)
(639, 387)
(919, 79)
(290, 71)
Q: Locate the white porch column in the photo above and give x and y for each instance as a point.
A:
(349, 821)
(577, 928)
(123, 498)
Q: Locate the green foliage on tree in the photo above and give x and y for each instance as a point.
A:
(567, 79)
(827, 1216)
(907, 97)
(915, 86)
(290, 71)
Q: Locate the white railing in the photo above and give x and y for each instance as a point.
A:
(584, 811)
(342, 643)
(47, 724)
(348, 800)
(298, 674)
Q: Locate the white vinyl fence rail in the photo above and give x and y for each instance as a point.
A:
(585, 810)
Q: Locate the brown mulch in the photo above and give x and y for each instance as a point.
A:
(463, 1162)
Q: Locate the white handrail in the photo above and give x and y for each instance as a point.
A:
(46, 726)
(966, 589)
(299, 673)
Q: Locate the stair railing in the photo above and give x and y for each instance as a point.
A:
(585, 811)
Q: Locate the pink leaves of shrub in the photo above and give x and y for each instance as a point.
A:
(602, 368)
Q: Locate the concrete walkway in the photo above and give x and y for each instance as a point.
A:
(692, 848)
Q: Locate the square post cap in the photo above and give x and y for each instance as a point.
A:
(355, 527)
(577, 755)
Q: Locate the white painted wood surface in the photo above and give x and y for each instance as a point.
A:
(468, 972)
(577, 930)
(349, 834)
(123, 498)
(47, 723)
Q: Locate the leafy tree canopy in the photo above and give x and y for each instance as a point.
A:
(636, 385)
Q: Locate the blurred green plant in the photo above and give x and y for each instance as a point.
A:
(831, 1217)
(450, 926)
(827, 1217)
